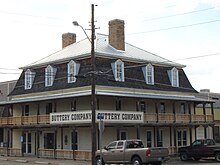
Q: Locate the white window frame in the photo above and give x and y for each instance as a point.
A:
(175, 77)
(71, 72)
(149, 78)
(149, 141)
(118, 70)
(29, 79)
(50, 73)
(181, 139)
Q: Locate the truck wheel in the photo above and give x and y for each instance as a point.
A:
(98, 161)
(217, 156)
(136, 161)
(184, 156)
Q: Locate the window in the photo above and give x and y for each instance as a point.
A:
(181, 138)
(26, 110)
(118, 70)
(183, 108)
(73, 105)
(160, 138)
(50, 74)
(73, 69)
(112, 145)
(118, 104)
(120, 145)
(149, 74)
(123, 135)
(162, 108)
(74, 142)
(174, 77)
(149, 138)
(29, 79)
(141, 106)
(49, 108)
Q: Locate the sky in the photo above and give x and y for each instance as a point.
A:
(183, 31)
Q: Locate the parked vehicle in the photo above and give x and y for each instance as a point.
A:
(131, 152)
(200, 148)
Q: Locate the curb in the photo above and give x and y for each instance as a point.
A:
(39, 162)
(21, 160)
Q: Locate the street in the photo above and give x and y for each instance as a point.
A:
(34, 161)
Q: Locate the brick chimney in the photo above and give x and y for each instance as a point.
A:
(68, 39)
(116, 34)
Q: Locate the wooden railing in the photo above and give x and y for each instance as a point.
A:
(166, 117)
(148, 118)
(10, 151)
(198, 118)
(25, 120)
(65, 154)
(182, 118)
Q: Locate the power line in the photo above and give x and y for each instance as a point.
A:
(169, 16)
(175, 27)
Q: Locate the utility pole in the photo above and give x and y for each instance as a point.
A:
(93, 95)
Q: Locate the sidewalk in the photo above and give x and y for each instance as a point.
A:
(34, 160)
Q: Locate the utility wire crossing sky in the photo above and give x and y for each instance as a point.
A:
(183, 31)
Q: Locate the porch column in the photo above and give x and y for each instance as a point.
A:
(195, 127)
(174, 111)
(171, 137)
(55, 142)
(8, 137)
(174, 136)
(38, 143)
(138, 131)
(38, 112)
(190, 135)
(204, 110)
(190, 112)
(74, 141)
(61, 139)
(118, 133)
(205, 131)
(155, 136)
(156, 109)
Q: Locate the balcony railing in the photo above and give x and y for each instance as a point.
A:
(50, 153)
(148, 118)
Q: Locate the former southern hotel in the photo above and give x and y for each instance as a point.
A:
(141, 95)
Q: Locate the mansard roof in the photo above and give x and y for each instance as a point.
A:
(82, 49)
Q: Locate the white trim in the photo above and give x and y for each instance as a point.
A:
(118, 70)
(29, 79)
(175, 77)
(50, 73)
(71, 72)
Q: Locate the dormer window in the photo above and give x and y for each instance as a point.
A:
(118, 70)
(73, 69)
(29, 79)
(148, 74)
(174, 77)
(50, 73)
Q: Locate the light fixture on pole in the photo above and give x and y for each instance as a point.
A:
(75, 23)
(93, 82)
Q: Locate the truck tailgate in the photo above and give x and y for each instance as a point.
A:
(160, 152)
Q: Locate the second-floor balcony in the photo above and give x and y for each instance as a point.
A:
(152, 118)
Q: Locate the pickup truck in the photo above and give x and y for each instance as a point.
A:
(200, 148)
(131, 152)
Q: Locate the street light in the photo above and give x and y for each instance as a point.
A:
(93, 79)
(75, 23)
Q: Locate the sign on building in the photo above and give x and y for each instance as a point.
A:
(86, 117)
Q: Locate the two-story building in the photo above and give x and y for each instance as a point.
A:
(141, 95)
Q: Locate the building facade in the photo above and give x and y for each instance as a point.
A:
(138, 94)
(206, 94)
